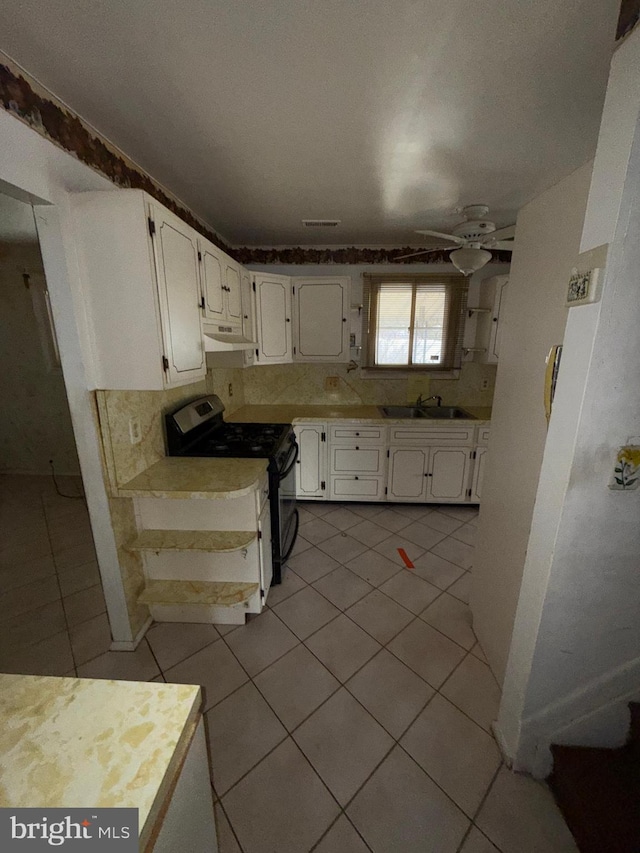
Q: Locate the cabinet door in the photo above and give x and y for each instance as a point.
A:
(356, 488)
(493, 352)
(478, 474)
(248, 325)
(273, 318)
(176, 256)
(266, 556)
(232, 292)
(448, 474)
(212, 269)
(407, 474)
(311, 480)
(356, 459)
(321, 308)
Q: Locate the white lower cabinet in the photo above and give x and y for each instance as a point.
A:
(430, 463)
(408, 474)
(311, 479)
(357, 462)
(478, 474)
(188, 821)
(448, 474)
(433, 474)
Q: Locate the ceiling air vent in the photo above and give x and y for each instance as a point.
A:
(321, 223)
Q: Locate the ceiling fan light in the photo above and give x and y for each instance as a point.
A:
(469, 261)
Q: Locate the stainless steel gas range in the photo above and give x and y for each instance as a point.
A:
(198, 429)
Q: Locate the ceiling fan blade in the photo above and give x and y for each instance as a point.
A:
(507, 233)
(503, 245)
(452, 237)
(423, 252)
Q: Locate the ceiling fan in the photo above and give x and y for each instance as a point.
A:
(474, 236)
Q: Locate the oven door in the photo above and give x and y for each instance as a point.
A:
(287, 512)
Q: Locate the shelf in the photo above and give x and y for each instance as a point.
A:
(219, 541)
(208, 593)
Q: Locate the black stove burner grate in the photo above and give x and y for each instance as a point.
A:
(241, 440)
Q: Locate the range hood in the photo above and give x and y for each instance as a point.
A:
(225, 338)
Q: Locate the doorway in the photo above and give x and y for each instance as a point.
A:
(52, 607)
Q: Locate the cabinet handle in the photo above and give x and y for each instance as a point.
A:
(356, 478)
(357, 433)
(357, 448)
(288, 320)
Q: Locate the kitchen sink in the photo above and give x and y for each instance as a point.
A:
(447, 412)
(402, 412)
(438, 412)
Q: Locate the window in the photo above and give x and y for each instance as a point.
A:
(414, 322)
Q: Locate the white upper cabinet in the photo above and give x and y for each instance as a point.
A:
(248, 315)
(492, 296)
(273, 318)
(220, 286)
(321, 312)
(139, 268)
(301, 319)
(233, 291)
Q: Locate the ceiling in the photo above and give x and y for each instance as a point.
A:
(386, 114)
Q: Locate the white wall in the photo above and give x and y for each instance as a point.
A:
(36, 424)
(33, 169)
(575, 659)
(547, 243)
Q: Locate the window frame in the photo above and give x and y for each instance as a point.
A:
(456, 291)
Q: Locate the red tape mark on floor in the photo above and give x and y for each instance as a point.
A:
(405, 558)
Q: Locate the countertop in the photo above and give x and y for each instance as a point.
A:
(75, 742)
(214, 479)
(184, 477)
(302, 413)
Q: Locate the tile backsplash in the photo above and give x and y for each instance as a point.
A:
(307, 383)
(125, 460)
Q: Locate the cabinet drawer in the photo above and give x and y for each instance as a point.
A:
(357, 488)
(483, 436)
(368, 460)
(432, 435)
(357, 434)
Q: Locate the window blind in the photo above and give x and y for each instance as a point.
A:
(413, 322)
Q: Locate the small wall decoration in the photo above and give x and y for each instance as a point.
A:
(584, 287)
(626, 471)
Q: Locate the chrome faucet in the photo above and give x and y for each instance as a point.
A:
(420, 402)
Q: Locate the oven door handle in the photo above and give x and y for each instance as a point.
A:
(283, 474)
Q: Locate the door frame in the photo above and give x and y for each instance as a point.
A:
(35, 171)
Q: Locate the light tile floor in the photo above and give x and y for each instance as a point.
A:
(352, 715)
(52, 609)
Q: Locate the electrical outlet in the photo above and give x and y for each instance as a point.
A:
(135, 433)
(231, 389)
(331, 383)
(484, 384)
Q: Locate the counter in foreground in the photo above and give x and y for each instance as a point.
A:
(71, 742)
